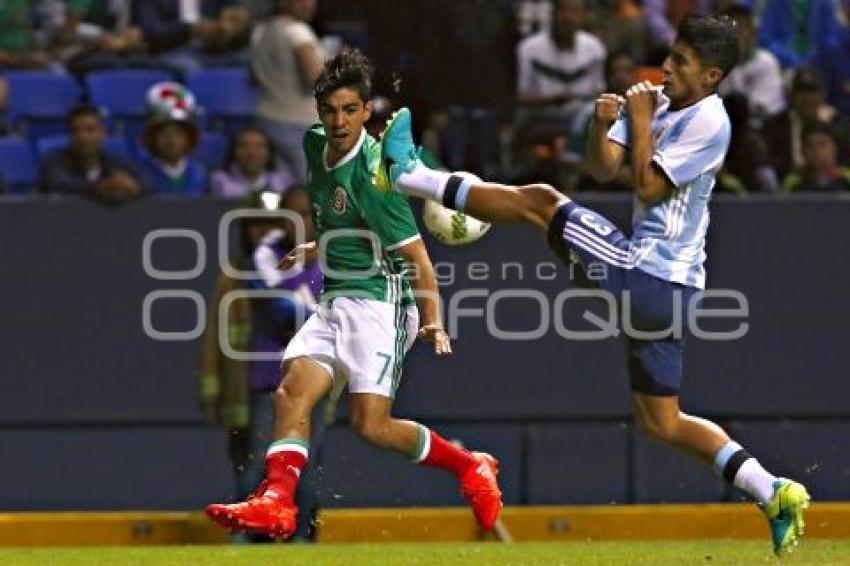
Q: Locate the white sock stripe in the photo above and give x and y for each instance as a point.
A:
(426, 448)
(275, 448)
(598, 239)
(591, 247)
(723, 456)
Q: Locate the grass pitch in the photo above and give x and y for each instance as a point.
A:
(813, 552)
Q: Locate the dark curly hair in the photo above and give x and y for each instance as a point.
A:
(350, 68)
(713, 38)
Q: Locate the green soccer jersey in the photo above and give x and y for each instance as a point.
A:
(358, 227)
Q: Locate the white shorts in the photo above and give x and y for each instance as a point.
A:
(358, 340)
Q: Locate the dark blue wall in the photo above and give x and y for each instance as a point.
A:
(94, 414)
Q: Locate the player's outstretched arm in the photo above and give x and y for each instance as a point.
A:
(305, 254)
(603, 157)
(427, 296)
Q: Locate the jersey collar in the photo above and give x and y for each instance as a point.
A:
(348, 156)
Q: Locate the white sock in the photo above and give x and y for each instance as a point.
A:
(423, 182)
(755, 480)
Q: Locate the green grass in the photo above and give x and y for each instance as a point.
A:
(814, 552)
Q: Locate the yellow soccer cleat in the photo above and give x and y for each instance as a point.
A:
(784, 513)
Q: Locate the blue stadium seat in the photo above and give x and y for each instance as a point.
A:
(17, 165)
(211, 149)
(116, 144)
(226, 95)
(122, 94)
(38, 101)
(48, 144)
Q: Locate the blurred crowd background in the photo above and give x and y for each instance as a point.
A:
(503, 88)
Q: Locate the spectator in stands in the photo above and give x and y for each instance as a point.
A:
(835, 65)
(19, 48)
(559, 69)
(187, 35)
(286, 59)
(99, 35)
(621, 27)
(799, 32)
(84, 167)
(471, 108)
(747, 167)
(821, 170)
(807, 103)
(250, 166)
(170, 137)
(758, 75)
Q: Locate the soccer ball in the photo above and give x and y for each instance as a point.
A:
(451, 227)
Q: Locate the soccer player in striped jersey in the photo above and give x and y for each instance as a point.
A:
(376, 270)
(677, 139)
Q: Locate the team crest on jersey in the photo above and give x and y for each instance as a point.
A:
(340, 201)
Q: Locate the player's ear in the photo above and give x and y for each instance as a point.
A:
(712, 77)
(367, 109)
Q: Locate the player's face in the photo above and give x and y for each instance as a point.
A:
(686, 79)
(343, 114)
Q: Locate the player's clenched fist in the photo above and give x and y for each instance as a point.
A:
(608, 108)
(641, 99)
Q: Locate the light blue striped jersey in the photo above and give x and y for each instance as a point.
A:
(668, 239)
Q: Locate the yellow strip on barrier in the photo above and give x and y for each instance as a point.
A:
(117, 528)
(555, 523)
(549, 523)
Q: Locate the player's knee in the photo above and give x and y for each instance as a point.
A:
(285, 398)
(540, 203)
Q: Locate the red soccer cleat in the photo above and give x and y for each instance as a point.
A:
(262, 514)
(481, 490)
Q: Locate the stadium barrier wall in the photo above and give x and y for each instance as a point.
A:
(95, 414)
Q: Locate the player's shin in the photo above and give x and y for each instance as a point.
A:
(434, 450)
(284, 461)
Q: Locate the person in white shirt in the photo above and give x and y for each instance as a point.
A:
(562, 68)
(286, 59)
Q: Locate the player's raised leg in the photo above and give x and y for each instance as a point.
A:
(402, 170)
(476, 471)
(271, 510)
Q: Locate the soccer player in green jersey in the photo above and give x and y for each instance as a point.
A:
(376, 272)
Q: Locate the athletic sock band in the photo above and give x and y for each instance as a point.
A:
(289, 445)
(450, 192)
(734, 464)
(423, 444)
(456, 192)
(723, 455)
